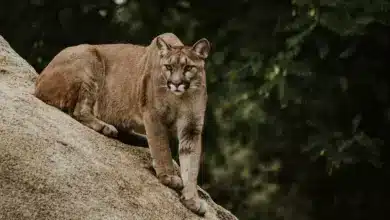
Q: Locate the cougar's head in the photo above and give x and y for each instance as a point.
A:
(183, 67)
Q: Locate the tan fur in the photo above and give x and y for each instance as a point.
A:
(141, 88)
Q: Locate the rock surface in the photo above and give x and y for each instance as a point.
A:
(52, 167)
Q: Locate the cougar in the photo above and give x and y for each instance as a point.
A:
(158, 90)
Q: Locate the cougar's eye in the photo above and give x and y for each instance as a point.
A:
(187, 68)
(169, 67)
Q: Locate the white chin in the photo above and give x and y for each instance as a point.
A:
(177, 93)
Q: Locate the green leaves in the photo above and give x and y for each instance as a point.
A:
(218, 57)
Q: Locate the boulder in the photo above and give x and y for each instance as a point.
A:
(53, 167)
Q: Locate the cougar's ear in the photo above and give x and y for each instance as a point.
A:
(202, 48)
(162, 46)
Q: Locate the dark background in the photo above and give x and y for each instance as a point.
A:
(298, 116)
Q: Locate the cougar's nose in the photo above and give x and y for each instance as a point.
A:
(178, 85)
(174, 85)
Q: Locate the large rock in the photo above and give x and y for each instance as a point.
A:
(53, 167)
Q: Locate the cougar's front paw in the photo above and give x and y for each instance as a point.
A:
(109, 130)
(172, 181)
(195, 204)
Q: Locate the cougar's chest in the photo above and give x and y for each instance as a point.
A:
(168, 114)
(172, 111)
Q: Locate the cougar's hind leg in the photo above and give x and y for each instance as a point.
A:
(83, 111)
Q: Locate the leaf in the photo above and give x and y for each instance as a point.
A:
(340, 22)
(298, 38)
(355, 122)
(312, 12)
(348, 52)
(256, 66)
(232, 75)
(281, 91)
(364, 20)
(218, 58)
